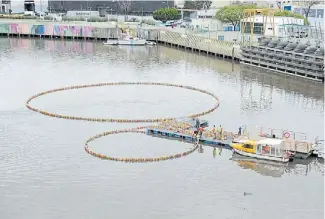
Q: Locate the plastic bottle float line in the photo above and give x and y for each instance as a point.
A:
(132, 159)
(134, 130)
(92, 119)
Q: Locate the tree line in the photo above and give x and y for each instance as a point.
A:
(231, 14)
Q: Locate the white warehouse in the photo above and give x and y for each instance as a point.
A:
(258, 24)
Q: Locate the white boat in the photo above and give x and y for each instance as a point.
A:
(319, 148)
(319, 153)
(263, 157)
(127, 40)
(150, 43)
(265, 149)
(111, 42)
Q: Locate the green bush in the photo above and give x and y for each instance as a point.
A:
(165, 14)
(97, 19)
(133, 19)
(149, 22)
(5, 16)
(284, 13)
(65, 18)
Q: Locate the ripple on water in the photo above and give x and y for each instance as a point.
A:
(45, 172)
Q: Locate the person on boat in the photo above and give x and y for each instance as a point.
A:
(221, 133)
(197, 123)
(195, 133)
(201, 129)
(239, 131)
(267, 149)
(214, 132)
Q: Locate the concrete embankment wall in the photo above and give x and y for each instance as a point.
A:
(52, 29)
(103, 31)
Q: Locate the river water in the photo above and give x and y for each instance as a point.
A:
(45, 173)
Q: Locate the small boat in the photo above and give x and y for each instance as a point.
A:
(266, 149)
(319, 153)
(111, 42)
(319, 149)
(127, 40)
(150, 43)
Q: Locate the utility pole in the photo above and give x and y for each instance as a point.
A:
(142, 14)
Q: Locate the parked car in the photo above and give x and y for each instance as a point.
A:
(185, 24)
(169, 23)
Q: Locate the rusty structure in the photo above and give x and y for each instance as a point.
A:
(250, 27)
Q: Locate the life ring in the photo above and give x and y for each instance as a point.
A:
(287, 135)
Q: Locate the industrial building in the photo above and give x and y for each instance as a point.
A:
(112, 6)
(5, 5)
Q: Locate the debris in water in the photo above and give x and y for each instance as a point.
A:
(247, 193)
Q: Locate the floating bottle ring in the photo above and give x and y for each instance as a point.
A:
(135, 130)
(28, 105)
(132, 159)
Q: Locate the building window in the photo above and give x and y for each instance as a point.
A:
(297, 10)
(320, 13)
(258, 28)
(312, 13)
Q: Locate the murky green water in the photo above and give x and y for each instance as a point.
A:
(45, 173)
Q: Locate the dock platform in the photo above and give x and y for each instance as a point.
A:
(182, 136)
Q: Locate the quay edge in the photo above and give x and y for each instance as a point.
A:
(100, 31)
(247, 55)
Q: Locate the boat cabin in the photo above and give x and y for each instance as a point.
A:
(270, 147)
(245, 145)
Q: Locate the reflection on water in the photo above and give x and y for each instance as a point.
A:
(307, 93)
(45, 173)
(274, 169)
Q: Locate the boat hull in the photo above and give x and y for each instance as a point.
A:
(132, 42)
(319, 154)
(257, 156)
(126, 42)
(111, 42)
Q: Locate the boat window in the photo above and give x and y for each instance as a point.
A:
(258, 149)
(248, 146)
(266, 149)
(273, 151)
(278, 152)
